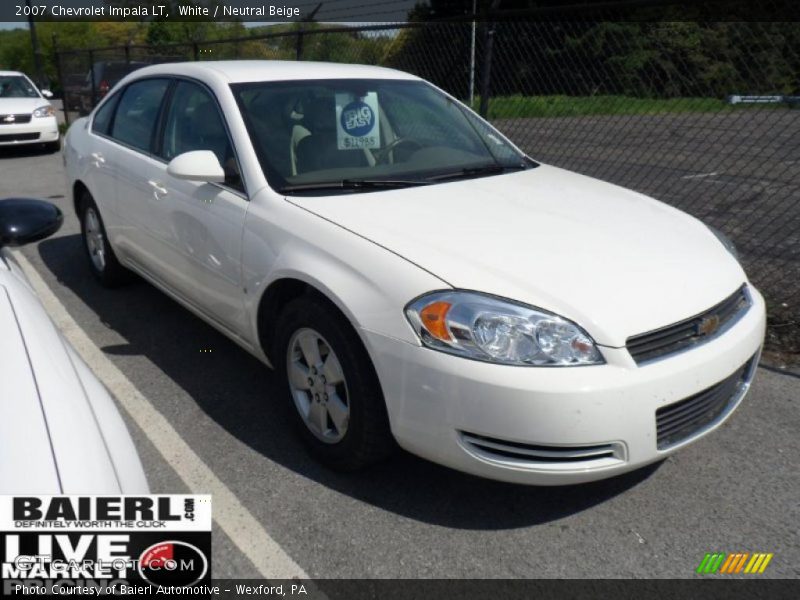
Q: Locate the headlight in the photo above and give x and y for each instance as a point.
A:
(44, 111)
(725, 240)
(483, 327)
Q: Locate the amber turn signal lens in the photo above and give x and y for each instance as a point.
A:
(433, 319)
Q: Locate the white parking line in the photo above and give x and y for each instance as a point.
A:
(700, 175)
(231, 515)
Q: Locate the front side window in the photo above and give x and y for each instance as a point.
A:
(137, 113)
(367, 131)
(17, 86)
(194, 122)
(101, 123)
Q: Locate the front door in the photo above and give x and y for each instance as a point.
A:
(201, 224)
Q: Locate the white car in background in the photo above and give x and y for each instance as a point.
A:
(411, 274)
(60, 432)
(26, 116)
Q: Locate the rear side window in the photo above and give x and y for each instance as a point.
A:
(137, 113)
(102, 120)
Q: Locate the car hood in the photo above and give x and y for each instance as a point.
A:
(615, 261)
(47, 423)
(20, 106)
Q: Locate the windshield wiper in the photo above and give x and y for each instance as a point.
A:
(372, 184)
(490, 169)
(353, 184)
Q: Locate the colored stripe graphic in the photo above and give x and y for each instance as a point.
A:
(741, 562)
(722, 563)
(701, 568)
(752, 565)
(766, 562)
(711, 562)
(735, 562)
(727, 566)
(758, 563)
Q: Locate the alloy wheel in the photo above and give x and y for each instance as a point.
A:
(94, 239)
(318, 385)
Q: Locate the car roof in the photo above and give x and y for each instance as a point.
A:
(241, 71)
(11, 73)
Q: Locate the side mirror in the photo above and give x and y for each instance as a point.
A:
(47, 93)
(26, 220)
(198, 165)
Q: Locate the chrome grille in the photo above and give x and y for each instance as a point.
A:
(686, 334)
(679, 421)
(541, 456)
(17, 119)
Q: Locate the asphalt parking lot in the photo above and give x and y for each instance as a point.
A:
(736, 490)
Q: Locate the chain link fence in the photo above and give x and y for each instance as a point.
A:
(703, 116)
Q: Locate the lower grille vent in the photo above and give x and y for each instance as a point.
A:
(541, 456)
(682, 420)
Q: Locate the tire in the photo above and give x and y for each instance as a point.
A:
(52, 147)
(102, 260)
(366, 437)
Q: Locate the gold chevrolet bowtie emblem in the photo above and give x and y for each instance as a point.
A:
(708, 325)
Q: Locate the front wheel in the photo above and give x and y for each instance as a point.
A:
(328, 376)
(102, 260)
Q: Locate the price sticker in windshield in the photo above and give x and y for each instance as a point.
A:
(357, 121)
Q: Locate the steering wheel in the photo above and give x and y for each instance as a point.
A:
(397, 142)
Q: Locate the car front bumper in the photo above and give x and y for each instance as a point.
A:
(39, 130)
(555, 426)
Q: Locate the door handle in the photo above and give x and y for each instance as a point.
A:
(158, 189)
(98, 159)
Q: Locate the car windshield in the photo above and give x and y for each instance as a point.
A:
(16, 86)
(362, 134)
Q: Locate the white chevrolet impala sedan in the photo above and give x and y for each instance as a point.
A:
(411, 275)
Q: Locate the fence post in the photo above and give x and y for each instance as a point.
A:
(128, 54)
(92, 81)
(472, 56)
(299, 44)
(486, 74)
(308, 19)
(62, 83)
(196, 51)
(37, 50)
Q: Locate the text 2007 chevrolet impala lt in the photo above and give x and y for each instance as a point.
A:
(411, 275)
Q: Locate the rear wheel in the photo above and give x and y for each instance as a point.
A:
(102, 260)
(328, 376)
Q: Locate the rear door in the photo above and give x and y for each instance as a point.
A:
(103, 159)
(133, 131)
